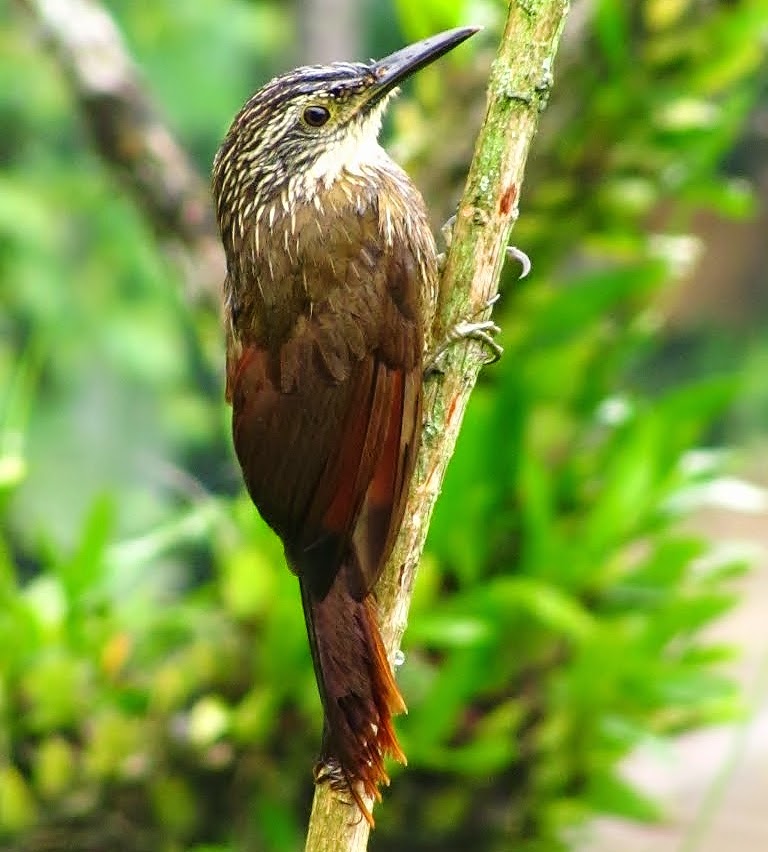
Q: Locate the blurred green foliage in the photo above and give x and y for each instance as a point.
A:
(156, 690)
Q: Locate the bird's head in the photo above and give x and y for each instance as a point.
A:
(309, 124)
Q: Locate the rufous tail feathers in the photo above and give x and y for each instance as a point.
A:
(358, 692)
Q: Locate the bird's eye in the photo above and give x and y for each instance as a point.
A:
(316, 116)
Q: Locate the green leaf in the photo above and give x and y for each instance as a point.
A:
(567, 313)
(612, 29)
(83, 572)
(609, 794)
(629, 485)
(18, 808)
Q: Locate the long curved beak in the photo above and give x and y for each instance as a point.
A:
(393, 69)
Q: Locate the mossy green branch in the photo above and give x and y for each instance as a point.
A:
(518, 90)
(520, 80)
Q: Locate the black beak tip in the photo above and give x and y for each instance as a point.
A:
(471, 30)
(407, 61)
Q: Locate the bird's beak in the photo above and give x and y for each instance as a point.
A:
(393, 69)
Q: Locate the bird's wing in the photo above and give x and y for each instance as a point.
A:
(326, 423)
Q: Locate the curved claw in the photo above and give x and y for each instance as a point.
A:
(514, 253)
(482, 332)
(446, 230)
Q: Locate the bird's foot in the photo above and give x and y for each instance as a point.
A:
(482, 331)
(473, 329)
(329, 771)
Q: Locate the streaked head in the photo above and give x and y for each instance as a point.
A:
(332, 111)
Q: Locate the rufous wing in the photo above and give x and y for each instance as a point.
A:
(325, 427)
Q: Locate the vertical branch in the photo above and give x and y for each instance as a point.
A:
(520, 80)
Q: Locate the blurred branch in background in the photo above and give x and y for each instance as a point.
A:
(728, 285)
(130, 134)
(330, 30)
(668, 158)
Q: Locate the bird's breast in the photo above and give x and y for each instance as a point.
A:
(297, 252)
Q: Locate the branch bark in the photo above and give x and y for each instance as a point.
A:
(133, 139)
(520, 80)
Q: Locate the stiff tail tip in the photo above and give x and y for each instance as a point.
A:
(359, 696)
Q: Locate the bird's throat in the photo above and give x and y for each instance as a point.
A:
(353, 156)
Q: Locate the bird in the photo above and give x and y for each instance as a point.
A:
(331, 280)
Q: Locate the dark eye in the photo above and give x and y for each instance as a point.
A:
(316, 116)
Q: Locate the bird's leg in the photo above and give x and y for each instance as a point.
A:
(472, 329)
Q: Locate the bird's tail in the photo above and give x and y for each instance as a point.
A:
(358, 692)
